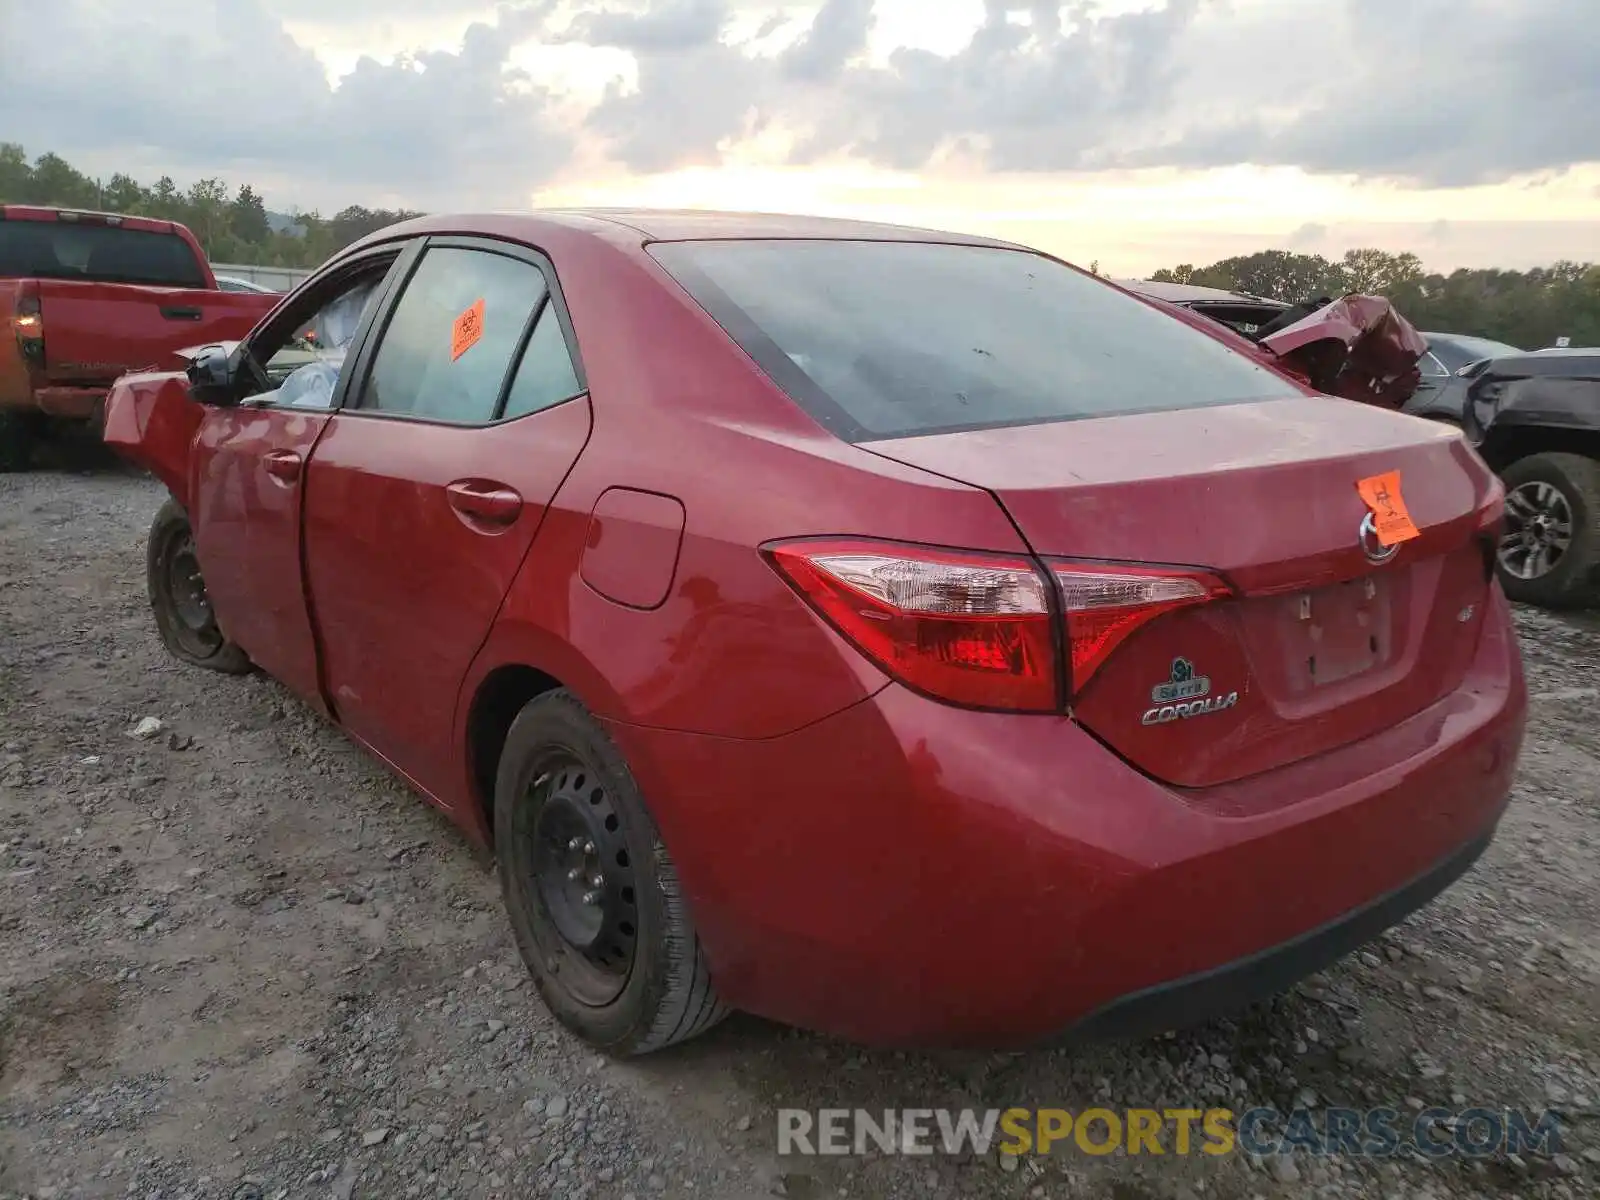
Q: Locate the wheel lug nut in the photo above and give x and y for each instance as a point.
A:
(588, 847)
(591, 898)
(575, 844)
(575, 873)
(597, 881)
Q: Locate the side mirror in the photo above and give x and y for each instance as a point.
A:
(214, 375)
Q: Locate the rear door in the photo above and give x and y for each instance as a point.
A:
(248, 467)
(427, 488)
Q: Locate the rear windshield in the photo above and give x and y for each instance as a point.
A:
(96, 254)
(890, 339)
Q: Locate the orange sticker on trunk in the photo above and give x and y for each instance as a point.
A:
(1393, 523)
(468, 329)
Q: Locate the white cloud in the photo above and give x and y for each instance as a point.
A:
(492, 108)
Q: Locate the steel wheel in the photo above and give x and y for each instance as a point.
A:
(584, 878)
(1539, 530)
(179, 601)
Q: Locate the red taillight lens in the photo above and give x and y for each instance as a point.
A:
(1105, 604)
(967, 628)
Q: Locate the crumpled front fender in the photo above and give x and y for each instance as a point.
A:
(151, 422)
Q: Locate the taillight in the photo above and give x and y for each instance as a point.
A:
(1104, 604)
(967, 628)
(27, 320)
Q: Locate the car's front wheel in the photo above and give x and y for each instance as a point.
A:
(1550, 547)
(591, 891)
(178, 597)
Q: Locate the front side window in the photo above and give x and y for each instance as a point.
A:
(894, 339)
(452, 336)
(304, 368)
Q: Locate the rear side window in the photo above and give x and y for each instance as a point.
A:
(92, 253)
(891, 339)
(450, 342)
(545, 376)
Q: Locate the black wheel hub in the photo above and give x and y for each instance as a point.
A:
(1539, 530)
(584, 876)
(187, 587)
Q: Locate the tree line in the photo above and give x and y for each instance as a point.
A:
(1530, 309)
(232, 225)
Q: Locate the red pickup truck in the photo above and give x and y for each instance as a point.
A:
(91, 296)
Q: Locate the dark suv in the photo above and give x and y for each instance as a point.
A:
(1535, 418)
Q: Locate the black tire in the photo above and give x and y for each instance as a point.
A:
(19, 431)
(625, 993)
(182, 610)
(1573, 580)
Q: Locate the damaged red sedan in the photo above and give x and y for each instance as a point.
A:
(892, 633)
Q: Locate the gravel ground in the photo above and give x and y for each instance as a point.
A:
(238, 960)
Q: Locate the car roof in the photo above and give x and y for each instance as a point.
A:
(667, 225)
(1578, 362)
(39, 212)
(1189, 293)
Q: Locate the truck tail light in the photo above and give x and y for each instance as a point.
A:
(1104, 604)
(963, 627)
(27, 322)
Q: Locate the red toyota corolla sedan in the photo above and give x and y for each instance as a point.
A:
(893, 633)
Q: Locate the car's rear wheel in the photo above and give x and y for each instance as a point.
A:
(19, 432)
(179, 600)
(591, 890)
(1550, 549)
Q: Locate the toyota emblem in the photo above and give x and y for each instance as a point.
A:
(1374, 549)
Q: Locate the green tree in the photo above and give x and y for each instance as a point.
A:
(1377, 272)
(16, 176)
(1277, 274)
(249, 218)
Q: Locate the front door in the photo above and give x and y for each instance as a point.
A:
(249, 465)
(427, 488)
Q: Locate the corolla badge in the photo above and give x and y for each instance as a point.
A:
(1183, 695)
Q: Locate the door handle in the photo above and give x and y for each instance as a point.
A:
(493, 503)
(284, 465)
(181, 312)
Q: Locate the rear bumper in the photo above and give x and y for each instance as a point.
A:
(906, 873)
(1228, 988)
(62, 403)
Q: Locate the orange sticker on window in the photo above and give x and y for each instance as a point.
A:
(468, 329)
(1381, 493)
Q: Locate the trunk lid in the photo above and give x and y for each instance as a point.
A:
(1321, 645)
(95, 332)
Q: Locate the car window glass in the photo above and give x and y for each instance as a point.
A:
(449, 343)
(91, 252)
(545, 375)
(305, 369)
(889, 339)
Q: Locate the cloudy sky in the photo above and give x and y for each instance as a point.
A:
(1137, 132)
